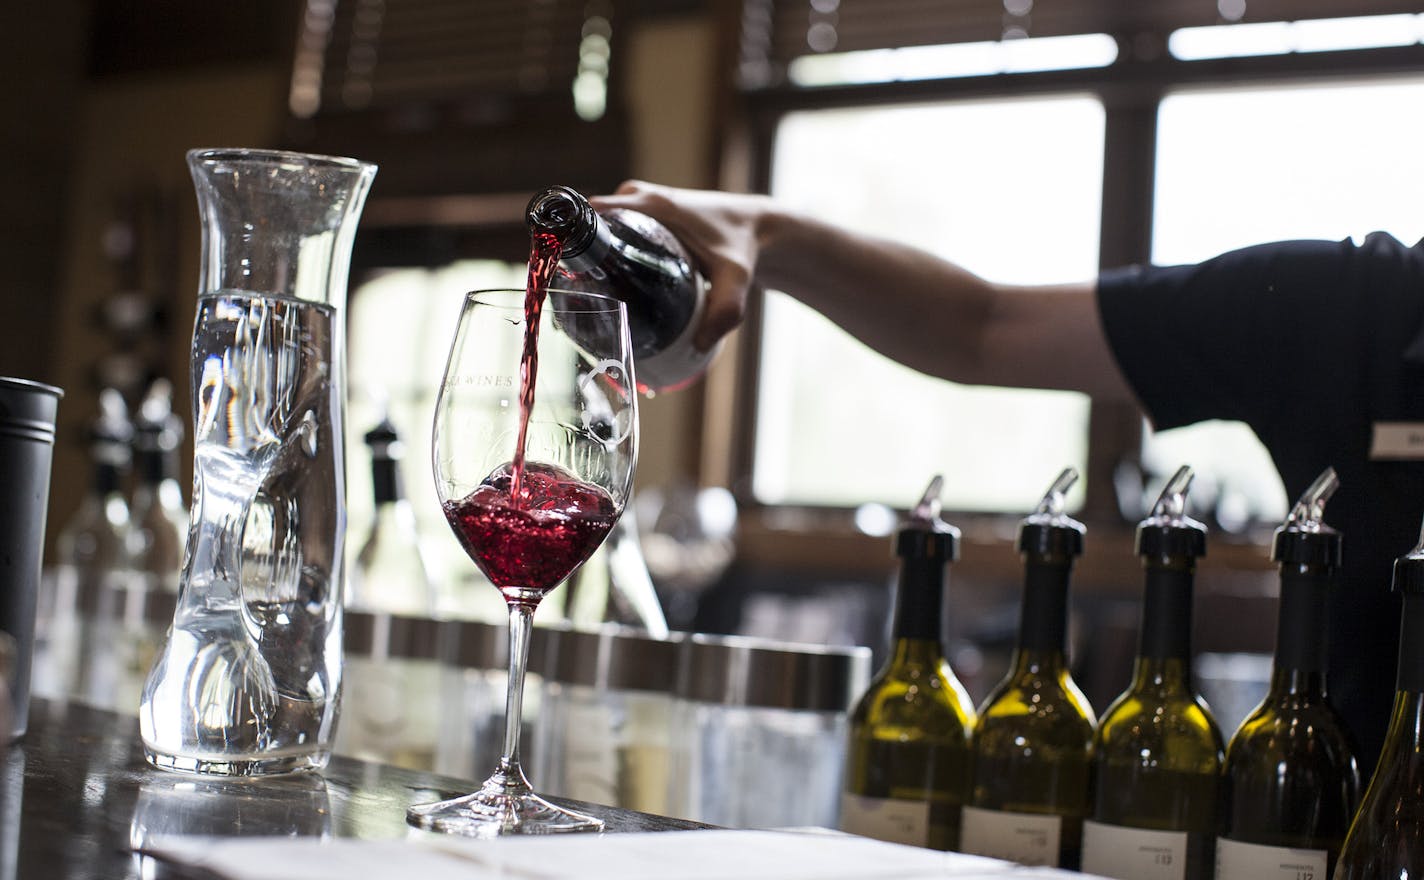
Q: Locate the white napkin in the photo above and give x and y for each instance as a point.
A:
(686, 855)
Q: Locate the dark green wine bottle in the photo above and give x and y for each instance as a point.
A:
(1291, 783)
(1033, 740)
(1157, 754)
(1386, 838)
(907, 772)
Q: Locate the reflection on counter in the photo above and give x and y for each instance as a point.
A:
(171, 805)
(76, 796)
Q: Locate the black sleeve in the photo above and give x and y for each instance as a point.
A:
(1262, 334)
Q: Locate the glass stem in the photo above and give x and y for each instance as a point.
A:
(521, 621)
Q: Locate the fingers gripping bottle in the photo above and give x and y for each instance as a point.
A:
(907, 773)
(634, 258)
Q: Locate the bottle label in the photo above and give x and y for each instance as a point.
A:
(1026, 838)
(1134, 853)
(890, 819)
(1238, 861)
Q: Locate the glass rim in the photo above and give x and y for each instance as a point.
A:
(499, 297)
(206, 155)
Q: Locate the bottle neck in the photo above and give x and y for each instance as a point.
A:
(394, 517)
(1301, 658)
(107, 479)
(1404, 740)
(1043, 620)
(1167, 613)
(1162, 674)
(386, 481)
(156, 465)
(590, 248)
(919, 601)
(916, 652)
(1410, 676)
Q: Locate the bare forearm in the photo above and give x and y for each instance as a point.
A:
(909, 305)
(936, 316)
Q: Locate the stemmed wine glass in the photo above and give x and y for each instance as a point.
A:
(534, 449)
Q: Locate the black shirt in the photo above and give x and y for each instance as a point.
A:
(1314, 345)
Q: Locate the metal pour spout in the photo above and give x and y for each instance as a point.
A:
(926, 510)
(1051, 507)
(1172, 503)
(1309, 511)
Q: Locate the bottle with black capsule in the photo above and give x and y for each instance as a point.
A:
(907, 772)
(390, 575)
(391, 701)
(92, 550)
(1158, 751)
(1291, 783)
(158, 513)
(1386, 838)
(1034, 737)
(632, 257)
(123, 636)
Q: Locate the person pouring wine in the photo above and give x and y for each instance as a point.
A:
(1318, 346)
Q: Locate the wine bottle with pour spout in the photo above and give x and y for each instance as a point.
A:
(1291, 783)
(907, 774)
(1158, 751)
(1033, 740)
(1386, 837)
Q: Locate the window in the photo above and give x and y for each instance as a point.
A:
(970, 180)
(1240, 166)
(1305, 134)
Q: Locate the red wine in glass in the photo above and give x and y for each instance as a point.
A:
(528, 525)
(526, 543)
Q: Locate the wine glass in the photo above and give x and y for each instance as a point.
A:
(534, 448)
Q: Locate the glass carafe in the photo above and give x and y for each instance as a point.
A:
(247, 682)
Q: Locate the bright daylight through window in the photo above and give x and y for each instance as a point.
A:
(1011, 189)
(1237, 167)
(974, 182)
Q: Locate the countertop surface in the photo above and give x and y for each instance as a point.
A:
(76, 798)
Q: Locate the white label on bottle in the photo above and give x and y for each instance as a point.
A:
(1250, 861)
(1134, 853)
(1026, 838)
(890, 819)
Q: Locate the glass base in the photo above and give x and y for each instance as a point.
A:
(496, 810)
(275, 765)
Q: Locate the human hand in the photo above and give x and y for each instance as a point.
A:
(723, 233)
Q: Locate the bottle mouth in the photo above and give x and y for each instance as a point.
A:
(562, 212)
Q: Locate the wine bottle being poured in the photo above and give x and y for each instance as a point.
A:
(632, 257)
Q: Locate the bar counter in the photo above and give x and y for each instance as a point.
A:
(76, 797)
